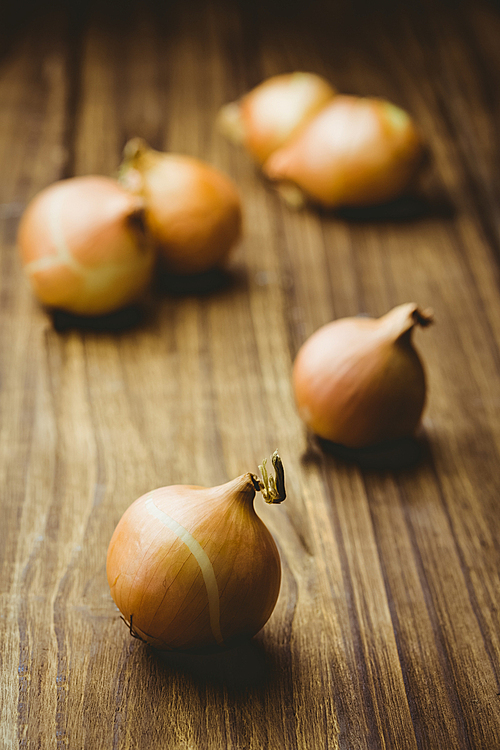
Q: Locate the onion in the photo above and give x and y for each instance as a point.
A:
(83, 245)
(193, 210)
(359, 381)
(266, 118)
(194, 568)
(356, 151)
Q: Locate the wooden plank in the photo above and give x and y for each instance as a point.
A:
(386, 633)
(33, 94)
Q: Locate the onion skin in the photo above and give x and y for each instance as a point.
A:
(176, 600)
(359, 381)
(356, 151)
(193, 210)
(268, 116)
(83, 246)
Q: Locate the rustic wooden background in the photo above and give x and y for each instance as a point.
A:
(386, 634)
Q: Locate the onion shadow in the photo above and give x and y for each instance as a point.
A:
(391, 455)
(124, 319)
(185, 285)
(404, 208)
(243, 664)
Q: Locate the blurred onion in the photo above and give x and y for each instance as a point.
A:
(192, 210)
(356, 151)
(84, 247)
(267, 117)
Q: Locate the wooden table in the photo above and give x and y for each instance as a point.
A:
(386, 633)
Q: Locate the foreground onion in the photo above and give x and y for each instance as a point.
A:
(193, 210)
(359, 381)
(191, 567)
(266, 118)
(356, 151)
(83, 245)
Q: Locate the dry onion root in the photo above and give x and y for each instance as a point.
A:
(359, 381)
(193, 568)
(332, 149)
(193, 211)
(84, 246)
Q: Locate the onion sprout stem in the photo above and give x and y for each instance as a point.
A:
(272, 488)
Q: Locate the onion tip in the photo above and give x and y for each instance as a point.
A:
(272, 488)
(424, 318)
(134, 148)
(230, 124)
(292, 195)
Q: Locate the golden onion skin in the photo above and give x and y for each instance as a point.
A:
(192, 568)
(270, 114)
(83, 246)
(356, 151)
(193, 210)
(359, 381)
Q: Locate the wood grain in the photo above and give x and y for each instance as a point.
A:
(387, 632)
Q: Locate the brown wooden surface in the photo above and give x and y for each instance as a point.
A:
(387, 632)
